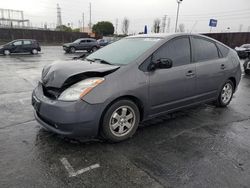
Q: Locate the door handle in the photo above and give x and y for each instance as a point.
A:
(222, 66)
(190, 73)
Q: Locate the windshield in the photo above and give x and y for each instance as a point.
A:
(124, 51)
(77, 41)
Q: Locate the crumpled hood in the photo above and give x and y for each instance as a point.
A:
(54, 75)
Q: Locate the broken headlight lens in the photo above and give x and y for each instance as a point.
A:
(80, 89)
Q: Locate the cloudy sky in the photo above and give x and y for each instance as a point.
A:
(194, 14)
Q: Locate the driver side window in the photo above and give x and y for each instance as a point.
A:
(178, 50)
(17, 43)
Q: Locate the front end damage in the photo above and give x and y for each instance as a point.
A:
(74, 119)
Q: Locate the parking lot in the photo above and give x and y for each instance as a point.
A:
(199, 147)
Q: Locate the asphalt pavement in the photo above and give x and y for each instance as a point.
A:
(200, 147)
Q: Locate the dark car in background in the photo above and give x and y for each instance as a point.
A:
(131, 80)
(243, 50)
(87, 44)
(102, 42)
(20, 46)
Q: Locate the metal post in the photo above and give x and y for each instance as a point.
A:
(90, 24)
(83, 22)
(177, 15)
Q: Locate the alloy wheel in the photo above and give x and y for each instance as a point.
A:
(122, 121)
(227, 93)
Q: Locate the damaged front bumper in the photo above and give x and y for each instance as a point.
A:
(75, 119)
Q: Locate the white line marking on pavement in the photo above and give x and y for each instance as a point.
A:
(72, 172)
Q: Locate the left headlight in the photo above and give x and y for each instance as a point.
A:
(80, 89)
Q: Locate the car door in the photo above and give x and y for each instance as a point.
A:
(27, 46)
(174, 87)
(210, 68)
(81, 45)
(17, 46)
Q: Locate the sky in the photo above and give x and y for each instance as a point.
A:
(194, 14)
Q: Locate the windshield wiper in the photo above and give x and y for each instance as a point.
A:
(100, 60)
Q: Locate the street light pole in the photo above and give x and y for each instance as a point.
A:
(179, 2)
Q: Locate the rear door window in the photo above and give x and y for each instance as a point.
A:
(204, 50)
(26, 42)
(178, 50)
(223, 50)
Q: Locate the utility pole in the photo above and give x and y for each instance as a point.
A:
(164, 23)
(90, 24)
(168, 26)
(177, 15)
(59, 16)
(83, 22)
(116, 25)
(240, 27)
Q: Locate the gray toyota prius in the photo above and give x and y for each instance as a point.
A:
(112, 90)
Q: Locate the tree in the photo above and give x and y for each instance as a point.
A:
(125, 26)
(63, 28)
(182, 28)
(156, 25)
(103, 28)
(76, 30)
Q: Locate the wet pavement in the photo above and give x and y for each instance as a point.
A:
(200, 147)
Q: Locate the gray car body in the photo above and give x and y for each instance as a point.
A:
(84, 44)
(155, 92)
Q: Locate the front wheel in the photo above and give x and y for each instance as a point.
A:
(226, 94)
(6, 52)
(120, 121)
(72, 50)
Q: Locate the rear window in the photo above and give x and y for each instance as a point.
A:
(204, 50)
(223, 50)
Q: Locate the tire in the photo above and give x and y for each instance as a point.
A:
(6, 52)
(120, 121)
(94, 49)
(247, 71)
(34, 51)
(226, 94)
(72, 50)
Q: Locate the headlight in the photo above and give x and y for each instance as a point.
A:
(80, 89)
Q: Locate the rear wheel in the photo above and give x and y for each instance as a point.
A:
(34, 51)
(120, 121)
(226, 94)
(72, 50)
(94, 49)
(6, 52)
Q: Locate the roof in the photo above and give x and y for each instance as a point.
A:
(162, 35)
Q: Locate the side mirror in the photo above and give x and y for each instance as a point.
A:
(163, 63)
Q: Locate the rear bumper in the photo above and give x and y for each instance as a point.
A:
(71, 119)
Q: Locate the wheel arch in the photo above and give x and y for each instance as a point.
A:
(232, 79)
